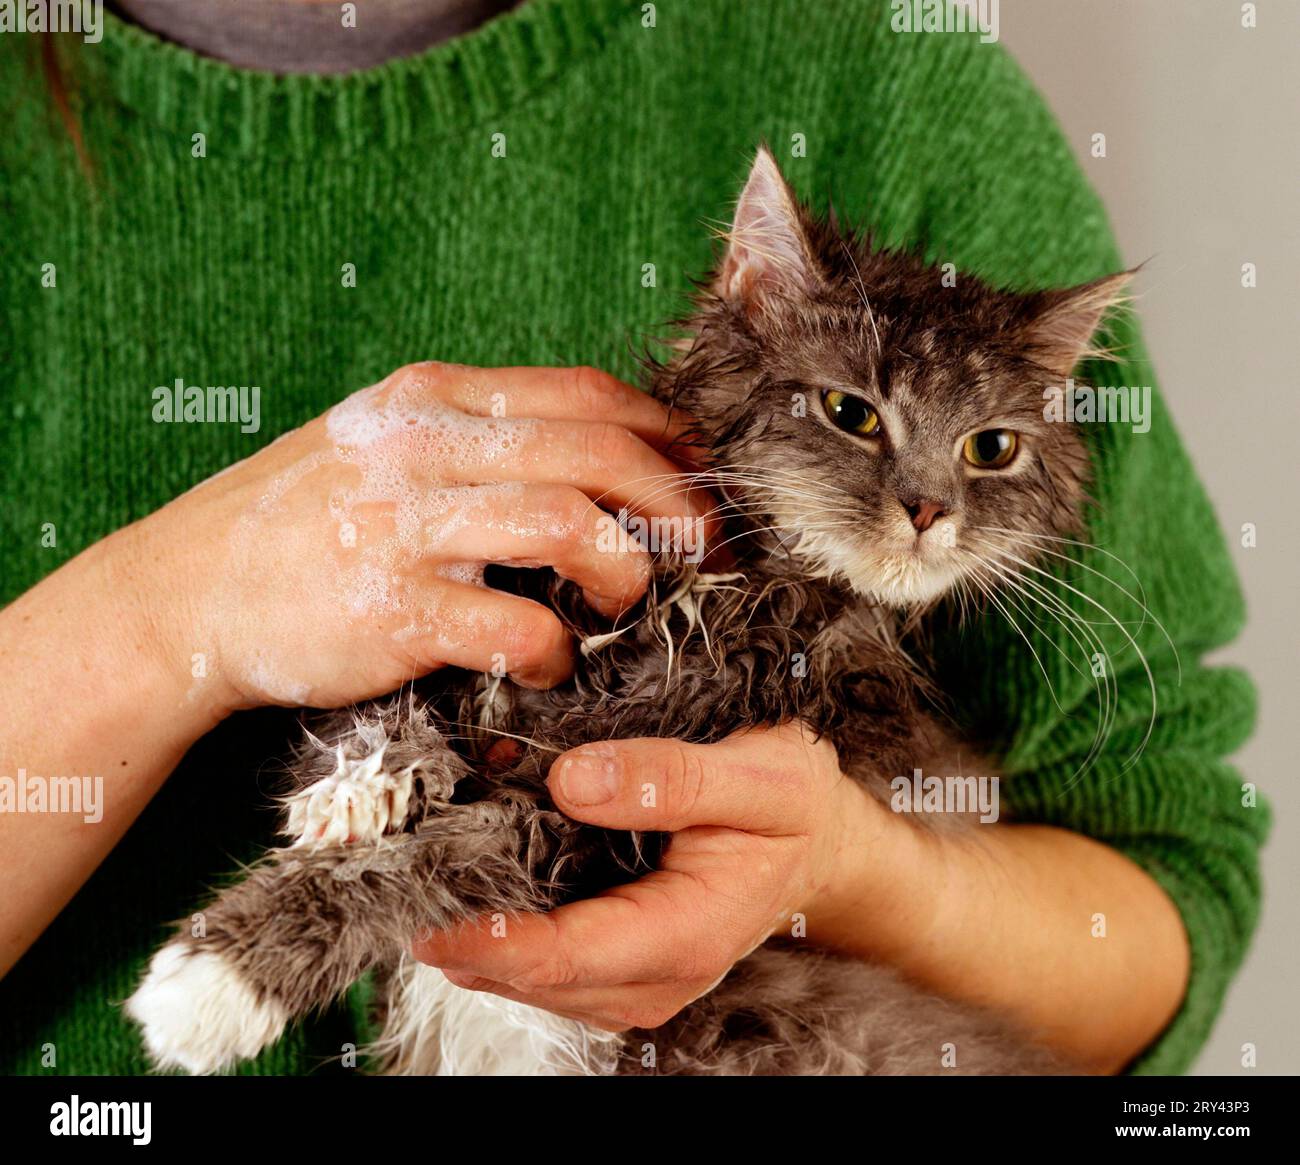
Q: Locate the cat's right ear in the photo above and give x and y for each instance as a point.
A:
(1062, 330)
(767, 247)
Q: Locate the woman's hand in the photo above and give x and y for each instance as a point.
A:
(341, 561)
(336, 564)
(760, 827)
(765, 827)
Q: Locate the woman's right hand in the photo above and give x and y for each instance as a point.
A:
(325, 569)
(345, 558)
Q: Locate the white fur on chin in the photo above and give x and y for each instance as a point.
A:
(895, 578)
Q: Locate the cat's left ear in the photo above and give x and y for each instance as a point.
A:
(1062, 325)
(767, 247)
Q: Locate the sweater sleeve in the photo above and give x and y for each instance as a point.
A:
(1108, 720)
(1105, 715)
(1181, 813)
(1099, 703)
(1154, 780)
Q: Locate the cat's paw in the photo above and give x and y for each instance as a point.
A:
(198, 1015)
(358, 802)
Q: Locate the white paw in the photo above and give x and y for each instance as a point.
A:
(359, 801)
(198, 1014)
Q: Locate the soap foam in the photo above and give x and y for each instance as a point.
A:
(273, 684)
(469, 573)
(401, 445)
(399, 439)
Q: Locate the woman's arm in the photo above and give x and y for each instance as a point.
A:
(1054, 929)
(326, 569)
(766, 826)
(88, 691)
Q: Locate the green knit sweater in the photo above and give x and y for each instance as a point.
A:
(499, 199)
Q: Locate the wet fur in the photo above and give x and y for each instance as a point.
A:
(475, 832)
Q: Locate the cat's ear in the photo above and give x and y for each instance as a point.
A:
(767, 247)
(1063, 324)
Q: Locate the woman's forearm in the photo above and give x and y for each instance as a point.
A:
(92, 693)
(1046, 926)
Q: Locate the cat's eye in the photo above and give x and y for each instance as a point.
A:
(991, 449)
(851, 413)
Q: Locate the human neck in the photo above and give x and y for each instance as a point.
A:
(308, 36)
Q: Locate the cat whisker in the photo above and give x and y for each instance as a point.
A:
(1140, 603)
(1132, 642)
(1063, 616)
(990, 594)
(862, 292)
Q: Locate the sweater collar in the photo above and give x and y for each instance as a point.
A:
(455, 85)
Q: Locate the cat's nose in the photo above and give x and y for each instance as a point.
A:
(924, 513)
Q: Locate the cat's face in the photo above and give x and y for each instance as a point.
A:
(886, 425)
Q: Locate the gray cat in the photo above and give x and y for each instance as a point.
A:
(879, 439)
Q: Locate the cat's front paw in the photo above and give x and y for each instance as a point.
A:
(359, 802)
(198, 1015)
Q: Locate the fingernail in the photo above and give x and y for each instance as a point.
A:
(610, 608)
(590, 776)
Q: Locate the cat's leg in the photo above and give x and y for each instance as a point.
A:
(384, 856)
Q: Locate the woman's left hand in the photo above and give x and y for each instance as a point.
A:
(765, 826)
(761, 823)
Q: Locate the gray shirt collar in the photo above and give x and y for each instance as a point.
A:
(308, 36)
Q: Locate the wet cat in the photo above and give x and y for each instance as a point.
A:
(875, 437)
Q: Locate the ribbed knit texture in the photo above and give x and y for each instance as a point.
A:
(621, 141)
